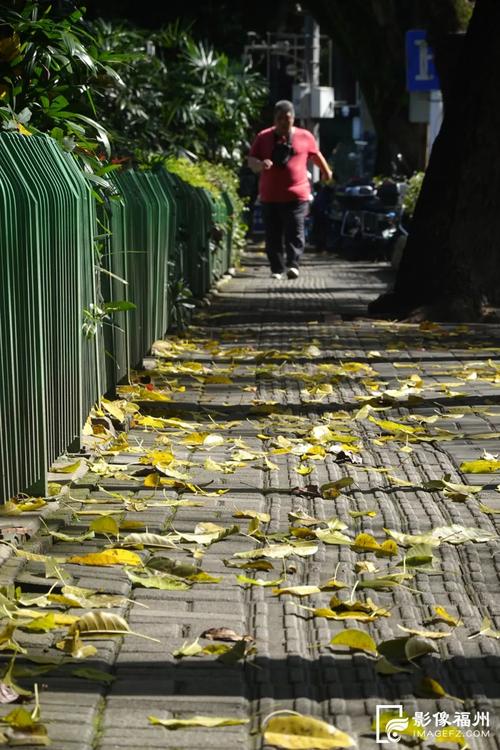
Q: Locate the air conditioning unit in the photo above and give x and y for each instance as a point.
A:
(322, 102)
(317, 102)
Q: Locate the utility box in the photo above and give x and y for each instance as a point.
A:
(322, 102)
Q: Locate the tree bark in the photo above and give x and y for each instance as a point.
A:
(447, 49)
(452, 258)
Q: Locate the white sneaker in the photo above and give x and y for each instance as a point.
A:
(277, 276)
(293, 273)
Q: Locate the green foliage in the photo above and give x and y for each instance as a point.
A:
(98, 87)
(451, 15)
(464, 13)
(115, 95)
(194, 173)
(175, 94)
(411, 195)
(209, 100)
(130, 102)
(216, 178)
(49, 73)
(225, 178)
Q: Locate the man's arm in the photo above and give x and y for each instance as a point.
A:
(258, 165)
(322, 163)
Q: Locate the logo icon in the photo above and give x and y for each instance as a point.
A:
(389, 730)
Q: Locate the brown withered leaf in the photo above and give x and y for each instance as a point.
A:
(310, 490)
(225, 634)
(250, 565)
(341, 455)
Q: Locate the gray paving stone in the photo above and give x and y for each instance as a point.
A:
(293, 667)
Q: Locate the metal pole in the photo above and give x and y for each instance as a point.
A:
(330, 55)
(315, 53)
(268, 60)
(311, 60)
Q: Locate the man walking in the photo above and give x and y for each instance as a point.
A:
(280, 154)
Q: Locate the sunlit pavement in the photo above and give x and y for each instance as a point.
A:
(280, 390)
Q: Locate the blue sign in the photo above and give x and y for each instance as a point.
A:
(420, 70)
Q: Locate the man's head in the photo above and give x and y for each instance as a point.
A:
(284, 115)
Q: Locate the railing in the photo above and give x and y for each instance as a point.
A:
(63, 253)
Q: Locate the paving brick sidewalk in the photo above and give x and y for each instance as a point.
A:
(237, 381)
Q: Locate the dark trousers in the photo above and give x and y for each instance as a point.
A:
(284, 232)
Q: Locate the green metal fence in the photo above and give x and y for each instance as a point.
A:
(63, 256)
(112, 244)
(47, 225)
(150, 222)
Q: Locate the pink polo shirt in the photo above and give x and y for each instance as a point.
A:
(288, 183)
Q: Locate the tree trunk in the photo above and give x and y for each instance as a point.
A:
(452, 257)
(396, 135)
(447, 50)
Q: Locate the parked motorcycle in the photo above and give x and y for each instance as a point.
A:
(365, 219)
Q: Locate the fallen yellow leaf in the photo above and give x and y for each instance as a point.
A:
(299, 732)
(107, 557)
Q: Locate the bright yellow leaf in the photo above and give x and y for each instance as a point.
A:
(365, 543)
(154, 457)
(393, 427)
(105, 525)
(360, 513)
(303, 470)
(156, 423)
(387, 548)
(299, 732)
(205, 722)
(481, 466)
(107, 557)
(22, 129)
(297, 590)
(441, 613)
(114, 409)
(355, 639)
(68, 469)
(59, 617)
(24, 506)
(152, 480)
(450, 734)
